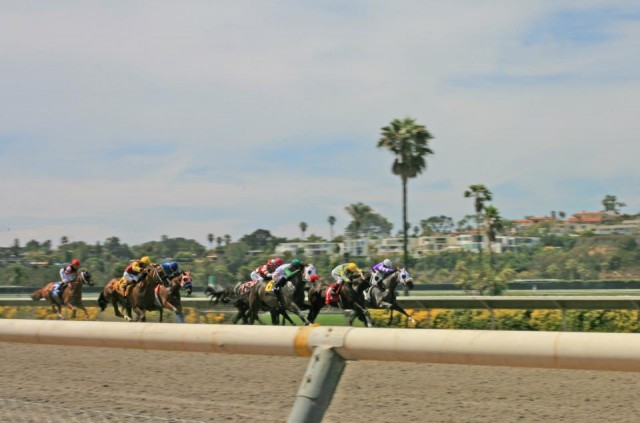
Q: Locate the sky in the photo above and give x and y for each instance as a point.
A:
(138, 119)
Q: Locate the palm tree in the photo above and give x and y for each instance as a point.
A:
(227, 239)
(210, 238)
(332, 221)
(303, 228)
(494, 225)
(480, 195)
(409, 142)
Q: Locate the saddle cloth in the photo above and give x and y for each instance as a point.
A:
(120, 286)
(330, 298)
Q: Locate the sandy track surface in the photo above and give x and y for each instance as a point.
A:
(53, 383)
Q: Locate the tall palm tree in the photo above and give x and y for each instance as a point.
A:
(409, 142)
(332, 221)
(493, 225)
(480, 195)
(303, 228)
(210, 238)
(227, 239)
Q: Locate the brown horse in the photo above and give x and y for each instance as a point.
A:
(152, 295)
(113, 291)
(71, 296)
(163, 297)
(350, 297)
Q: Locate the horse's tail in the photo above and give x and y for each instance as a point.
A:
(102, 301)
(38, 294)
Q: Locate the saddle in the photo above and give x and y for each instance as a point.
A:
(246, 287)
(269, 287)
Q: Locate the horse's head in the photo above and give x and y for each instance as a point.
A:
(185, 282)
(85, 277)
(404, 278)
(307, 271)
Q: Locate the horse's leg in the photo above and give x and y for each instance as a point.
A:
(116, 310)
(293, 307)
(275, 318)
(396, 306)
(83, 308)
(390, 316)
(286, 318)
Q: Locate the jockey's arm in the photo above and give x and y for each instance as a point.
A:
(289, 273)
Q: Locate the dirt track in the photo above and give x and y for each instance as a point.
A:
(52, 383)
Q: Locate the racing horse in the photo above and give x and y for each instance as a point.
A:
(111, 293)
(240, 293)
(217, 293)
(164, 297)
(377, 299)
(350, 297)
(292, 297)
(71, 296)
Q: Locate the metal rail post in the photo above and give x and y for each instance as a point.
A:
(318, 385)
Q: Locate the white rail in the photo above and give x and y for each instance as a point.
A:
(330, 347)
(592, 351)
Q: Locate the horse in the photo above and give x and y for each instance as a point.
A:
(217, 293)
(112, 292)
(166, 297)
(350, 297)
(240, 294)
(292, 297)
(70, 297)
(374, 298)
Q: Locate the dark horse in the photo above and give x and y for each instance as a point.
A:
(374, 298)
(71, 296)
(240, 296)
(350, 297)
(112, 291)
(292, 297)
(217, 293)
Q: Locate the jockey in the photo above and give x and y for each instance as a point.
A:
(265, 271)
(285, 272)
(344, 273)
(382, 269)
(171, 270)
(68, 274)
(134, 273)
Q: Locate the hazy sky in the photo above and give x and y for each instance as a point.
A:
(142, 118)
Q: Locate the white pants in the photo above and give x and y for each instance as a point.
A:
(255, 276)
(131, 277)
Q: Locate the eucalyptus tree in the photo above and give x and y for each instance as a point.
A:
(358, 213)
(332, 221)
(409, 143)
(611, 204)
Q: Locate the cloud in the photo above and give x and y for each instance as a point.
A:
(141, 119)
